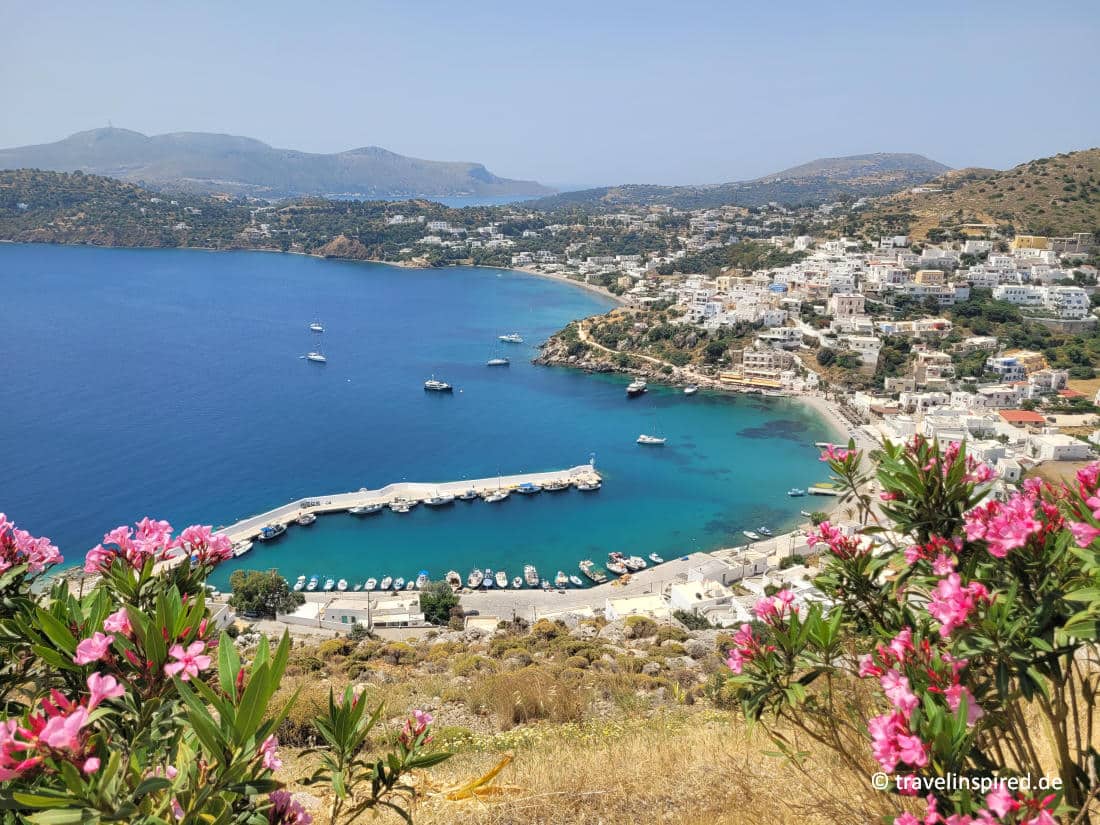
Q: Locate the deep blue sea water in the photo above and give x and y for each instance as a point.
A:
(170, 383)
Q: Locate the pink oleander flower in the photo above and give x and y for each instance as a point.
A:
(773, 609)
(747, 648)
(834, 453)
(906, 819)
(1088, 478)
(286, 810)
(912, 750)
(1001, 801)
(1006, 526)
(91, 765)
(884, 733)
(1083, 533)
(206, 547)
(20, 547)
(62, 732)
(93, 649)
(951, 603)
(896, 688)
(150, 539)
(269, 752)
(102, 687)
(188, 662)
(889, 496)
(414, 727)
(840, 545)
(118, 622)
(943, 565)
(954, 696)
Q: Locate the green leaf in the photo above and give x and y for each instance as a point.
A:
(57, 632)
(229, 664)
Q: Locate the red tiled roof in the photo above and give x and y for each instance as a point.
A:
(1071, 394)
(1017, 417)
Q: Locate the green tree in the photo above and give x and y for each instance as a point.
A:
(436, 602)
(262, 593)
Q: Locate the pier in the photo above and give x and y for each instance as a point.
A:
(406, 490)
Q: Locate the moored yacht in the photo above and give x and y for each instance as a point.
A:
(316, 357)
(300, 584)
(474, 580)
(453, 579)
(517, 582)
(691, 389)
(271, 531)
(528, 488)
(366, 509)
(399, 583)
(635, 563)
(432, 385)
(421, 579)
(530, 575)
(511, 338)
(313, 580)
(591, 571)
(240, 548)
(796, 492)
(495, 496)
(306, 519)
(502, 579)
(358, 586)
(635, 387)
(588, 486)
(401, 505)
(497, 362)
(575, 580)
(556, 485)
(342, 585)
(385, 583)
(467, 495)
(561, 580)
(316, 326)
(749, 534)
(653, 557)
(487, 577)
(765, 531)
(329, 584)
(651, 440)
(370, 584)
(439, 500)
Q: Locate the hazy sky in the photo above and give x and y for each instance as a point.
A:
(569, 92)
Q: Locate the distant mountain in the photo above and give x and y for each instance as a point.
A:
(812, 183)
(204, 163)
(1058, 195)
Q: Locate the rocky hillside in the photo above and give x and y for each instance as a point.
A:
(203, 163)
(818, 181)
(1058, 195)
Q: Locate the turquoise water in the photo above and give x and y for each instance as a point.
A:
(169, 383)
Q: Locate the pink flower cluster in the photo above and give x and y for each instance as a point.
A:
(841, 545)
(1005, 526)
(748, 647)
(952, 602)
(55, 731)
(1002, 807)
(188, 662)
(776, 608)
(153, 539)
(286, 810)
(835, 453)
(939, 551)
(20, 547)
(415, 727)
(269, 754)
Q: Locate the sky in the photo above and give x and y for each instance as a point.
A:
(596, 92)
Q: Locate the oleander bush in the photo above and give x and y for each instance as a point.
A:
(957, 657)
(124, 704)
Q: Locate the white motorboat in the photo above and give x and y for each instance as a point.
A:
(371, 584)
(439, 501)
(653, 557)
(474, 580)
(300, 584)
(399, 583)
(502, 579)
(358, 586)
(401, 505)
(531, 575)
(651, 440)
(342, 585)
(241, 548)
(366, 509)
(588, 486)
(316, 357)
(410, 585)
(453, 579)
(592, 572)
(329, 584)
(270, 532)
(497, 495)
(432, 385)
(796, 492)
(561, 580)
(691, 389)
(422, 580)
(635, 563)
(511, 338)
(497, 362)
(576, 581)
(306, 519)
(635, 388)
(765, 531)
(385, 583)
(467, 495)
(316, 326)
(312, 583)
(517, 582)
(528, 488)
(487, 577)
(749, 534)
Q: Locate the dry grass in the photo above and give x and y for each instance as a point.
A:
(527, 695)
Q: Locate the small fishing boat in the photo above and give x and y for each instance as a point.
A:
(313, 581)
(651, 440)
(329, 584)
(366, 509)
(764, 531)
(749, 534)
(588, 486)
(495, 496)
(497, 362)
(806, 513)
(616, 563)
(306, 519)
(561, 580)
(316, 357)
(399, 583)
(316, 326)
(511, 338)
(795, 492)
(270, 532)
(635, 563)
(545, 584)
(502, 579)
(556, 486)
(635, 388)
(385, 583)
(653, 557)
(454, 580)
(487, 580)
(400, 505)
(468, 495)
(241, 548)
(370, 584)
(410, 585)
(300, 584)
(517, 582)
(474, 580)
(531, 575)
(421, 579)
(576, 581)
(528, 488)
(357, 587)
(439, 501)
(691, 389)
(592, 572)
(342, 585)
(432, 385)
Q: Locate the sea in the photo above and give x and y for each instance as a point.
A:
(172, 384)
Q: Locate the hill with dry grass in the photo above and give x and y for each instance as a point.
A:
(1058, 195)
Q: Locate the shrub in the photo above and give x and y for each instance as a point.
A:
(638, 627)
(470, 663)
(670, 632)
(577, 662)
(546, 629)
(334, 647)
(398, 653)
(527, 695)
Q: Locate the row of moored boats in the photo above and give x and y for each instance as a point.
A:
(617, 563)
(387, 583)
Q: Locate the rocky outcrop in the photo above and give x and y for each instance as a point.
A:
(344, 247)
